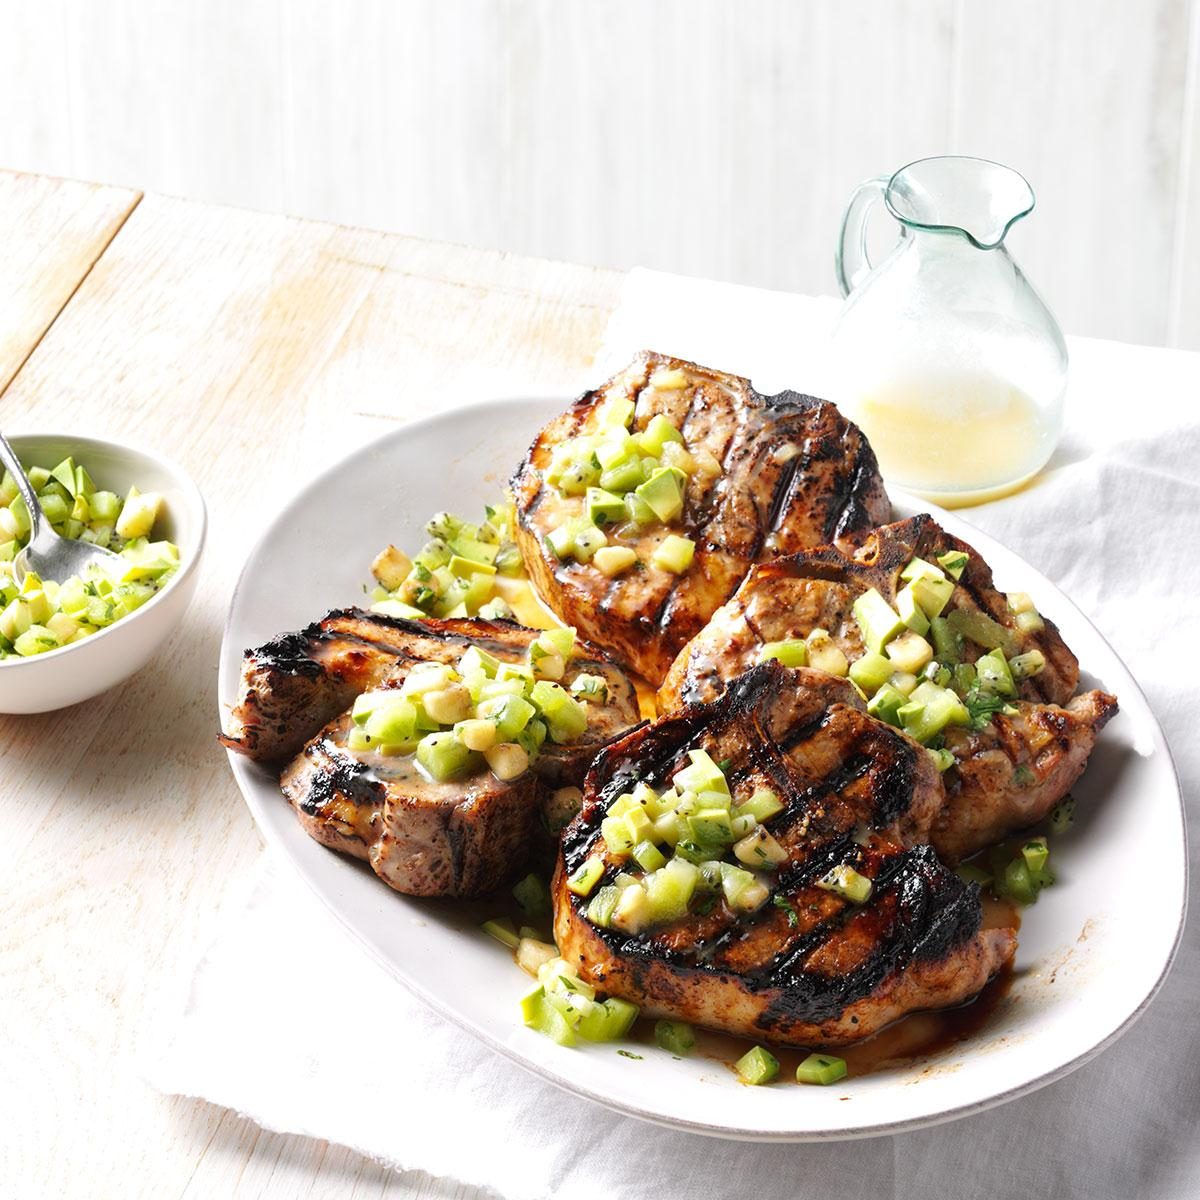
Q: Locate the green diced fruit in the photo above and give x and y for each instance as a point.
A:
(1025, 666)
(871, 671)
(821, 1069)
(919, 568)
(947, 645)
(1030, 622)
(711, 827)
(675, 1037)
(932, 595)
(943, 759)
(877, 619)
(1036, 853)
(603, 904)
(759, 850)
(1063, 815)
(587, 540)
(994, 675)
(586, 876)
(762, 805)
(37, 639)
(467, 568)
(701, 775)
(648, 856)
(538, 1013)
(590, 687)
(743, 890)
(640, 513)
(658, 432)
(792, 653)
(886, 704)
(443, 756)
(979, 628)
(604, 508)
(911, 613)
(954, 562)
(757, 1066)
(847, 882)
(663, 493)
(502, 930)
(674, 554)
(1017, 883)
(607, 1020)
(625, 476)
(566, 718)
(533, 895)
(929, 710)
(507, 760)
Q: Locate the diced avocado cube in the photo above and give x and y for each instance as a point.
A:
(932, 595)
(466, 568)
(792, 653)
(911, 613)
(886, 704)
(65, 474)
(397, 608)
(663, 493)
(918, 568)
(954, 562)
(871, 671)
(910, 652)
(604, 508)
(84, 484)
(994, 675)
(674, 554)
(877, 619)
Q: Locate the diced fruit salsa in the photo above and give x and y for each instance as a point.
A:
(628, 484)
(463, 570)
(686, 848)
(40, 615)
(484, 711)
(914, 674)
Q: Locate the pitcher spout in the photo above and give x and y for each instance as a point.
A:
(979, 199)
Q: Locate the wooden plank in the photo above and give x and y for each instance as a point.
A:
(1084, 96)
(53, 233)
(250, 348)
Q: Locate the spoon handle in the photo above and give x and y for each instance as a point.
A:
(9, 458)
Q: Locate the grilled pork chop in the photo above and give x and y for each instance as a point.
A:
(792, 473)
(809, 967)
(1009, 774)
(295, 684)
(422, 837)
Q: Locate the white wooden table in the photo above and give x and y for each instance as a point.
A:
(229, 340)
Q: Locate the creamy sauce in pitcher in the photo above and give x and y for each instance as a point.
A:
(956, 439)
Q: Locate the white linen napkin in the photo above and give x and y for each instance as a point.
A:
(1116, 521)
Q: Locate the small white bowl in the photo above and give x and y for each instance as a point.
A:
(58, 678)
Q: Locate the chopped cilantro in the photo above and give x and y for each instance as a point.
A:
(782, 902)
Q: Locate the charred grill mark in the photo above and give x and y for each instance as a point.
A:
(335, 774)
(291, 653)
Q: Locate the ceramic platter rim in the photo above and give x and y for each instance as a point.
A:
(315, 555)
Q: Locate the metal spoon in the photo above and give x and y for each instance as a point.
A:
(47, 554)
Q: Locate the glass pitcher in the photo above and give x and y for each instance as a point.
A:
(944, 354)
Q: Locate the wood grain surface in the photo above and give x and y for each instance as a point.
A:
(251, 348)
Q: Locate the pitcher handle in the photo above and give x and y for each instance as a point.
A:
(851, 261)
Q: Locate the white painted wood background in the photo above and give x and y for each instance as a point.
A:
(701, 136)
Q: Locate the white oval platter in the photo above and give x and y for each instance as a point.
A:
(1093, 951)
